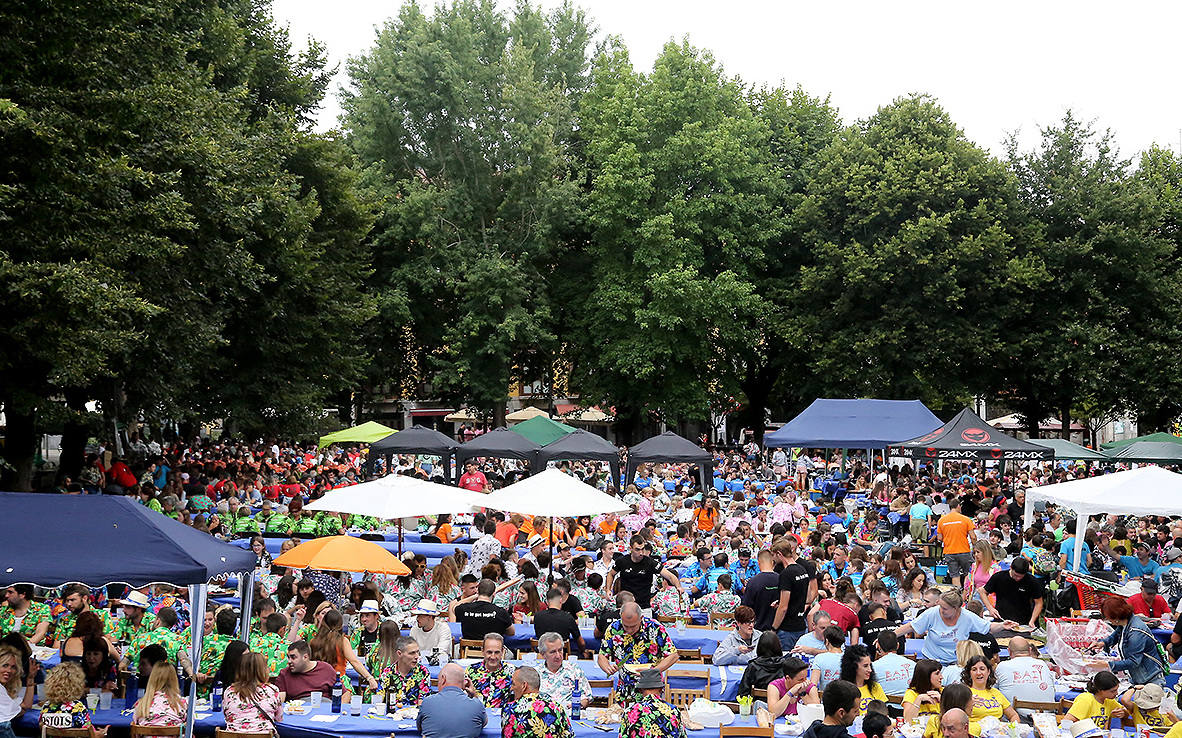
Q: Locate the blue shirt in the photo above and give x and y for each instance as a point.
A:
(940, 639)
(709, 581)
(829, 666)
(920, 511)
(894, 672)
(450, 713)
(1068, 547)
(808, 640)
(1137, 569)
(741, 574)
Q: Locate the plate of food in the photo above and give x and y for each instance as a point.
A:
(296, 707)
(1022, 629)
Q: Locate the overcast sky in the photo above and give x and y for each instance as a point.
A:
(996, 67)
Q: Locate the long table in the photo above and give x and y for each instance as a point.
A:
(321, 722)
(700, 638)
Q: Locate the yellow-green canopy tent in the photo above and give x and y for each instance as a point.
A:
(364, 433)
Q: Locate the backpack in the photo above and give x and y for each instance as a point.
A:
(1045, 563)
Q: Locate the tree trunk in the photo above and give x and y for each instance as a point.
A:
(20, 445)
(74, 436)
(498, 415)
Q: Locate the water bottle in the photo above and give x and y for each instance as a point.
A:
(182, 679)
(131, 691)
(338, 691)
(576, 703)
(216, 696)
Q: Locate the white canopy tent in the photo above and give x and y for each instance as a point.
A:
(554, 494)
(398, 496)
(1149, 490)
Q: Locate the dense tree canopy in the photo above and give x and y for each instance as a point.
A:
(511, 199)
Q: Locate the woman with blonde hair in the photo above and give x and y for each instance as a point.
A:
(65, 704)
(965, 650)
(162, 704)
(445, 583)
(984, 566)
(330, 645)
(251, 704)
(12, 702)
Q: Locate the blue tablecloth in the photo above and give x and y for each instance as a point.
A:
(701, 638)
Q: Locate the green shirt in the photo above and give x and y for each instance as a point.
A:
(64, 627)
(274, 647)
(307, 526)
(37, 613)
(329, 525)
(279, 523)
(213, 649)
(244, 524)
(171, 642)
(124, 631)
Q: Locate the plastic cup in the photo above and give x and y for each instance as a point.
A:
(104, 700)
(355, 705)
(92, 701)
(316, 698)
(41, 692)
(379, 708)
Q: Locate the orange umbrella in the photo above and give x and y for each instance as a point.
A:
(343, 553)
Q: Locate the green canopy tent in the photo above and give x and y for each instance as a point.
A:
(542, 430)
(1155, 452)
(1067, 450)
(1153, 437)
(364, 433)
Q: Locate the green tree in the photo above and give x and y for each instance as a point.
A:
(682, 204)
(1094, 234)
(465, 121)
(911, 260)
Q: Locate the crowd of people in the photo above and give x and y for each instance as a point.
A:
(819, 596)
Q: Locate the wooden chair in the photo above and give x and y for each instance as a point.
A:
(141, 730)
(533, 643)
(222, 733)
(607, 684)
(713, 618)
(745, 731)
(895, 699)
(681, 698)
(471, 649)
(1051, 707)
(690, 656)
(67, 732)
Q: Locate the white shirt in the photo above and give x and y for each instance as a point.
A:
(10, 707)
(438, 639)
(1026, 678)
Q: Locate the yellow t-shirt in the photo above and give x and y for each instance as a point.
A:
(869, 695)
(988, 703)
(1087, 706)
(1153, 718)
(927, 708)
(933, 728)
(1176, 731)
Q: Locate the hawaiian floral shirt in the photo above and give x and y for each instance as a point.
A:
(37, 613)
(330, 525)
(172, 643)
(179, 606)
(667, 603)
(485, 548)
(64, 627)
(72, 714)
(534, 716)
(592, 601)
(408, 690)
(213, 649)
(274, 647)
(443, 599)
(649, 645)
(125, 631)
(560, 685)
(649, 717)
(494, 686)
(721, 603)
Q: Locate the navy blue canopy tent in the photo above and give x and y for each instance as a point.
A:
(670, 448)
(96, 540)
(582, 444)
(869, 424)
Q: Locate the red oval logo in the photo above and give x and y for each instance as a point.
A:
(996, 452)
(975, 435)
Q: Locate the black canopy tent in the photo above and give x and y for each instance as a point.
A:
(416, 439)
(584, 445)
(500, 443)
(671, 448)
(968, 437)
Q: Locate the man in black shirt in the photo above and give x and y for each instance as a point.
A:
(763, 592)
(1019, 594)
(556, 620)
(636, 570)
(478, 619)
(607, 616)
(570, 603)
(789, 621)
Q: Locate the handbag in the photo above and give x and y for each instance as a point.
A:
(274, 730)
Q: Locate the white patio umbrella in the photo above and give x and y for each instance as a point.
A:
(399, 496)
(554, 494)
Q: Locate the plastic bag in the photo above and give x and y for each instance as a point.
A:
(710, 714)
(1066, 639)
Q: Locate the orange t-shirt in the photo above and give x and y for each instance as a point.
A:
(607, 527)
(706, 518)
(506, 534)
(444, 533)
(954, 529)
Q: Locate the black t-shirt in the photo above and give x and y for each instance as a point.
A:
(478, 619)
(572, 605)
(761, 595)
(366, 642)
(871, 630)
(637, 577)
(604, 619)
(1015, 600)
(795, 581)
(560, 622)
(1016, 511)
